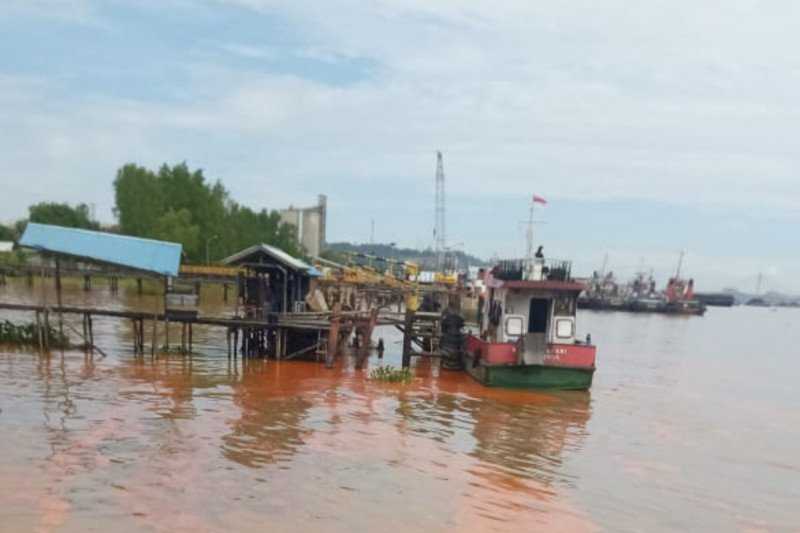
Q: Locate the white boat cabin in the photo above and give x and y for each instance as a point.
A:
(530, 301)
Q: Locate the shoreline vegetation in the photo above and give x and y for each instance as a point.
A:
(27, 334)
(174, 204)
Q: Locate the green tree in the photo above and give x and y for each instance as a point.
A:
(147, 203)
(176, 226)
(7, 233)
(139, 200)
(60, 214)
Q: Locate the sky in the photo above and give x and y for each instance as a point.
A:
(650, 127)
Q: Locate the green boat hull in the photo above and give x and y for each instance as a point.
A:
(532, 376)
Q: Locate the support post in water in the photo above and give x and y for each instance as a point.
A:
(91, 332)
(39, 331)
(166, 315)
(58, 298)
(407, 336)
(333, 335)
(366, 338)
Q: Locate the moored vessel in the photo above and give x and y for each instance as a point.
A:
(527, 334)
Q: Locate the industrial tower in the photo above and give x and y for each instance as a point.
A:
(439, 231)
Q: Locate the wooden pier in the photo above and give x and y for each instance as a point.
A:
(245, 337)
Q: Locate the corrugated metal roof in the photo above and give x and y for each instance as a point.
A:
(136, 253)
(275, 253)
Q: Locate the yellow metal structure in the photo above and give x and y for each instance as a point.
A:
(397, 275)
(446, 278)
(209, 270)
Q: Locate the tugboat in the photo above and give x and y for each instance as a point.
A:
(527, 336)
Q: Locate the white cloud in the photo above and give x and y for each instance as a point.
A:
(683, 102)
(250, 52)
(75, 11)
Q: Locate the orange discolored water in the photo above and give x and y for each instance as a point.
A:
(692, 424)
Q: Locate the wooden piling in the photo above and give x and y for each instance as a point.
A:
(39, 331)
(139, 286)
(58, 298)
(166, 314)
(333, 336)
(87, 282)
(184, 340)
(135, 335)
(47, 330)
(366, 338)
(90, 325)
(407, 336)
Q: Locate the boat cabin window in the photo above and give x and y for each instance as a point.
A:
(539, 315)
(515, 326)
(565, 328)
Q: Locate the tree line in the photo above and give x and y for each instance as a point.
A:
(174, 204)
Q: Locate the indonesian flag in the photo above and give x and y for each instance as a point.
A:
(539, 200)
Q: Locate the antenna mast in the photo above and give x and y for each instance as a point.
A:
(530, 233)
(439, 231)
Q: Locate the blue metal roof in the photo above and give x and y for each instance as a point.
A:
(130, 252)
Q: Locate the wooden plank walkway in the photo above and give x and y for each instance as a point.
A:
(288, 320)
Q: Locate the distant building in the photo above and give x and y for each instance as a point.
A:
(310, 223)
(6, 246)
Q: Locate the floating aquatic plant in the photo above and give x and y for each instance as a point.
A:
(28, 334)
(390, 374)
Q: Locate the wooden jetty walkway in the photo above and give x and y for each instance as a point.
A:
(236, 327)
(247, 337)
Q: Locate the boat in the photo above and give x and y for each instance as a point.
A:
(603, 293)
(527, 336)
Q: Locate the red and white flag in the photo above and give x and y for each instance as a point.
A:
(539, 200)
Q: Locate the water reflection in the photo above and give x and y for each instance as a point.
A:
(269, 429)
(527, 440)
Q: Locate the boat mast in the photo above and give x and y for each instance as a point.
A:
(530, 233)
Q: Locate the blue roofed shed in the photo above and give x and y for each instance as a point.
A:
(147, 255)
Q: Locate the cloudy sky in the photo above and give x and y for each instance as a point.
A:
(650, 127)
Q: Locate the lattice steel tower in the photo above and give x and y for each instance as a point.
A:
(439, 230)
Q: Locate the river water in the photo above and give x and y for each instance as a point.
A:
(691, 424)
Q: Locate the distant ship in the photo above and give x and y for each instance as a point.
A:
(640, 295)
